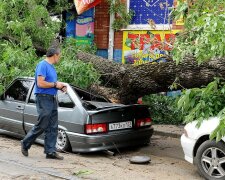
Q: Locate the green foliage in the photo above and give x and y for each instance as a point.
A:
(72, 70)
(204, 30)
(57, 6)
(27, 23)
(163, 109)
(24, 24)
(123, 18)
(180, 11)
(202, 103)
(14, 62)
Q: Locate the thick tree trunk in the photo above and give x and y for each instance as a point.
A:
(130, 82)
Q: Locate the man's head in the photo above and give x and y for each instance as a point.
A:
(53, 54)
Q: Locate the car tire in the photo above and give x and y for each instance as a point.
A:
(210, 160)
(62, 143)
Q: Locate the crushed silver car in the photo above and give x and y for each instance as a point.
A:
(87, 122)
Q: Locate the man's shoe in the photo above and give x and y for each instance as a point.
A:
(23, 150)
(54, 155)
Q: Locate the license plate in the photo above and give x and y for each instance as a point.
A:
(121, 125)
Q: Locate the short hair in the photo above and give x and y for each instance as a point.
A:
(52, 51)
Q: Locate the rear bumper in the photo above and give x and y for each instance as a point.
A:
(91, 143)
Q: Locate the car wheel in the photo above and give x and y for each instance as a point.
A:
(62, 143)
(210, 160)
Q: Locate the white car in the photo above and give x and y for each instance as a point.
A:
(206, 154)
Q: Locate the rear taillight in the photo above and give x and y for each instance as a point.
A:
(95, 128)
(143, 122)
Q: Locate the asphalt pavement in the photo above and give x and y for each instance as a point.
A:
(165, 164)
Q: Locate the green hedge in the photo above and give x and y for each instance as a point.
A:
(163, 109)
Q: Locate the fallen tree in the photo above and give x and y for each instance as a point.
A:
(126, 83)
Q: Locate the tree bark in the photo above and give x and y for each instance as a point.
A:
(129, 82)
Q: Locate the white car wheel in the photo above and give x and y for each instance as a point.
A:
(210, 160)
(62, 143)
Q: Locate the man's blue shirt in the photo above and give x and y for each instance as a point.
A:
(48, 71)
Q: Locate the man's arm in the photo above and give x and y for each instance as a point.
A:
(44, 84)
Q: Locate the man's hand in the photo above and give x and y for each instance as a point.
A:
(61, 86)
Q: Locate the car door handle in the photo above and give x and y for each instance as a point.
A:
(19, 108)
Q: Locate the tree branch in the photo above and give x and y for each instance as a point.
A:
(16, 40)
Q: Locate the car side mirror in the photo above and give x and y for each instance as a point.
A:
(2, 97)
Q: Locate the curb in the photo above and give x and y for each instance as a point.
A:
(167, 130)
(167, 134)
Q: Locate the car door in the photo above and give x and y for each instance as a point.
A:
(30, 112)
(65, 110)
(12, 106)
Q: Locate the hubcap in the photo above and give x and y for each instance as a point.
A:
(213, 162)
(61, 140)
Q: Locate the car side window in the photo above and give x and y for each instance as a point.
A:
(18, 90)
(64, 100)
(32, 97)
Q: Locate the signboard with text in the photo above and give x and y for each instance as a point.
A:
(147, 46)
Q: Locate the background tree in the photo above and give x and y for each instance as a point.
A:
(203, 36)
(27, 29)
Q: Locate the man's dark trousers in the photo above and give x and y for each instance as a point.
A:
(47, 123)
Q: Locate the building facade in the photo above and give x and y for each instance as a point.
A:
(149, 37)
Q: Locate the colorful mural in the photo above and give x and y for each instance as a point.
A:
(81, 27)
(147, 46)
(84, 33)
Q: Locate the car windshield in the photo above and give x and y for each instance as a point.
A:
(86, 96)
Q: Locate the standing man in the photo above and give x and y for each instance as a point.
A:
(46, 86)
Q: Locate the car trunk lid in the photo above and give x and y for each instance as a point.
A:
(121, 117)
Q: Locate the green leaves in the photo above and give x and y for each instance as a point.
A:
(201, 103)
(180, 11)
(204, 31)
(72, 70)
(14, 62)
(219, 132)
(123, 18)
(27, 22)
(163, 109)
